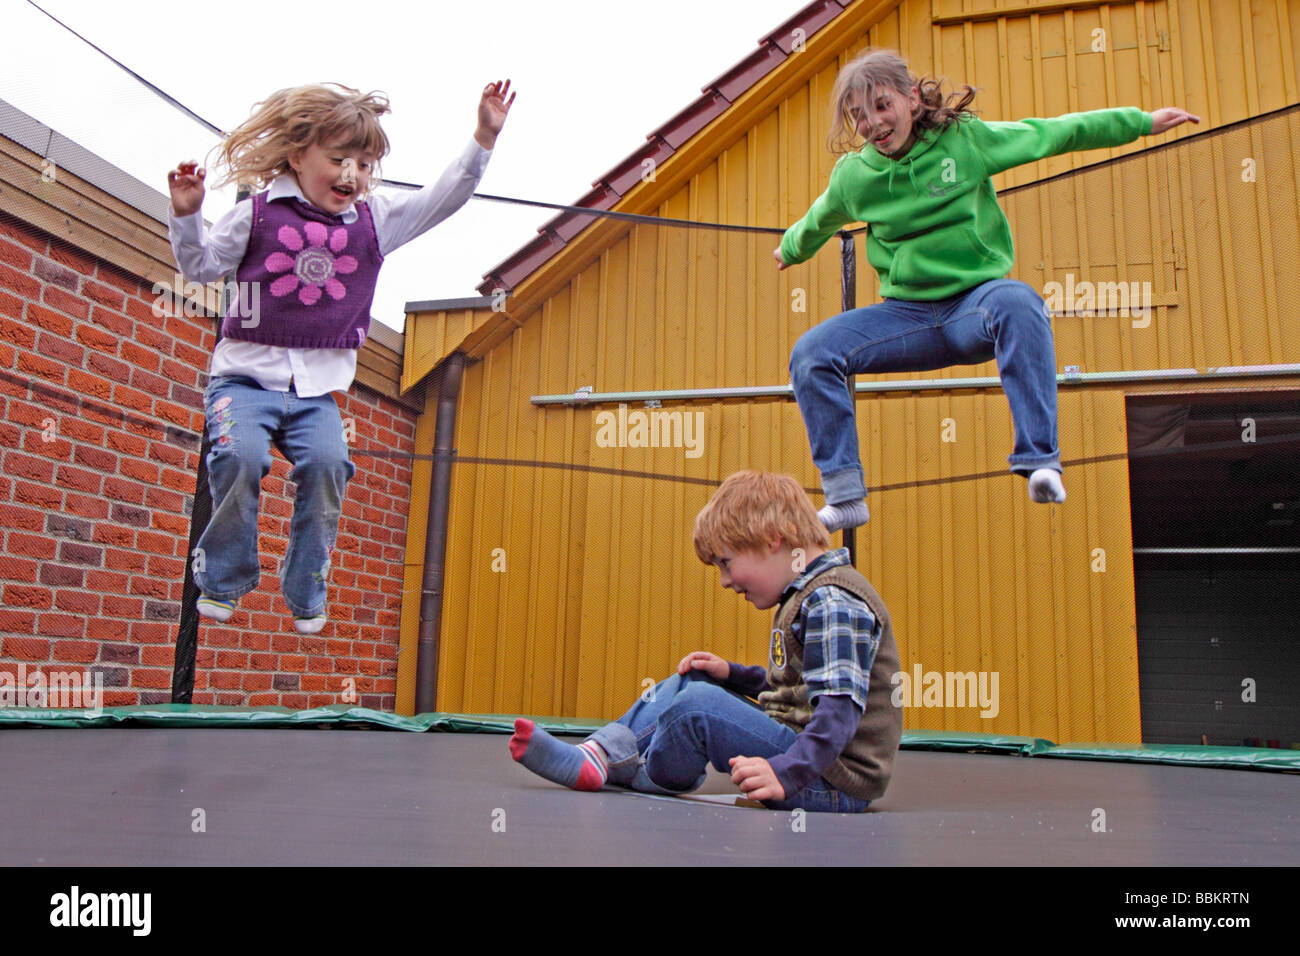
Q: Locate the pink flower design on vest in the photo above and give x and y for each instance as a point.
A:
(316, 266)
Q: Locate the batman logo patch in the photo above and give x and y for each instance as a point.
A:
(776, 652)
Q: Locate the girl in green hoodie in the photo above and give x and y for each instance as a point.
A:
(942, 247)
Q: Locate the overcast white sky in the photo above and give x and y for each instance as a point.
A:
(593, 78)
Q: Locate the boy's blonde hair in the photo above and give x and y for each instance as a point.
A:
(885, 68)
(289, 120)
(749, 509)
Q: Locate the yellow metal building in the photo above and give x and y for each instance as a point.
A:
(570, 580)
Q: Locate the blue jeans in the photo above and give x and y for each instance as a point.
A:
(243, 420)
(1003, 319)
(674, 730)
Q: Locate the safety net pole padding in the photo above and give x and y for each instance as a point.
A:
(848, 301)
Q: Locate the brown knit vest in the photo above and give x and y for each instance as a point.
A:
(863, 769)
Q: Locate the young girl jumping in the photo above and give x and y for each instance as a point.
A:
(306, 253)
(942, 247)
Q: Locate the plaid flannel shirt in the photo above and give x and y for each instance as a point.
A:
(839, 634)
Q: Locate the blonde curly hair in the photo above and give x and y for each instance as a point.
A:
(885, 68)
(291, 120)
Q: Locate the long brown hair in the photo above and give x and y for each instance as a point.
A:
(290, 120)
(885, 68)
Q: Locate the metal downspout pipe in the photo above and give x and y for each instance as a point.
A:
(435, 539)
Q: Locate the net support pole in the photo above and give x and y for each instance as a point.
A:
(849, 300)
(187, 633)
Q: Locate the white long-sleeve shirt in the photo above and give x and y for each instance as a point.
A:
(208, 255)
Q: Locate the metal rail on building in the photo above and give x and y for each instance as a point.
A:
(786, 391)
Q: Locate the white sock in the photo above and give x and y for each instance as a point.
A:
(846, 514)
(1045, 486)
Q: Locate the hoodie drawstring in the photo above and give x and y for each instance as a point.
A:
(911, 176)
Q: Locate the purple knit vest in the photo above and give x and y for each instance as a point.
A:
(315, 278)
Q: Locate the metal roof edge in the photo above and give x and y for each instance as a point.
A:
(803, 19)
(444, 305)
(47, 143)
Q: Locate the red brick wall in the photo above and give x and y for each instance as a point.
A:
(100, 417)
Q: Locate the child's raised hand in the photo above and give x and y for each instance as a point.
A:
(711, 664)
(186, 185)
(1168, 117)
(755, 778)
(780, 263)
(493, 107)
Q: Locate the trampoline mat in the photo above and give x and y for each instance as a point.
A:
(211, 797)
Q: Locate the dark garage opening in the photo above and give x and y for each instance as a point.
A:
(1215, 490)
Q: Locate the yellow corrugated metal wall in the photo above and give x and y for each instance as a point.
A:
(568, 588)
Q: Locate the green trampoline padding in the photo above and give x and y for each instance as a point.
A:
(974, 743)
(1188, 755)
(338, 715)
(342, 715)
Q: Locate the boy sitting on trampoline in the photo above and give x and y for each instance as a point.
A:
(824, 732)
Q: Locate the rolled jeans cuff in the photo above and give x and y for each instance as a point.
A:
(619, 743)
(1026, 465)
(844, 486)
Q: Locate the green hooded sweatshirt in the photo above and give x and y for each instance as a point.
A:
(934, 226)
